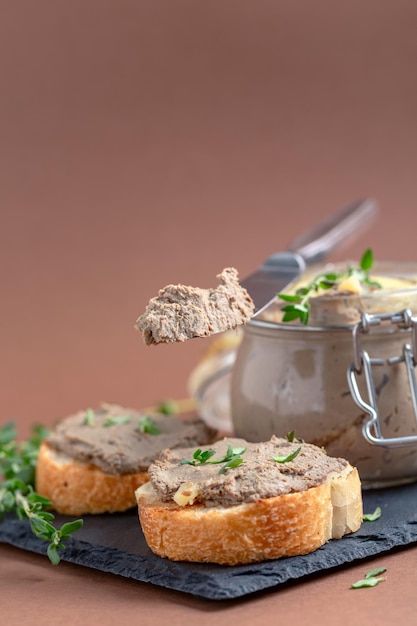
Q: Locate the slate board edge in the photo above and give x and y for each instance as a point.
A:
(207, 586)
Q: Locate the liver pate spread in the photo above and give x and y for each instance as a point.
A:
(258, 476)
(180, 312)
(119, 441)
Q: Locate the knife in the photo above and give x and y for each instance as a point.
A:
(313, 246)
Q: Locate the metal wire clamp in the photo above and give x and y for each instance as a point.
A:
(363, 363)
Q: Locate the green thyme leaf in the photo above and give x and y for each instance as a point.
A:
(113, 420)
(296, 311)
(7, 500)
(238, 451)
(53, 555)
(90, 418)
(7, 434)
(71, 527)
(372, 517)
(377, 571)
(38, 435)
(367, 260)
(282, 458)
(42, 528)
(206, 455)
(290, 298)
(291, 315)
(292, 438)
(148, 425)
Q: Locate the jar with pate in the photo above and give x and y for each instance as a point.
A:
(344, 381)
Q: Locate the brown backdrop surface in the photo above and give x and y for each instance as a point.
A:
(150, 142)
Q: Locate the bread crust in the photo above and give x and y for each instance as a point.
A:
(285, 525)
(76, 488)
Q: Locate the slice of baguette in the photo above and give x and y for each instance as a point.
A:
(284, 525)
(75, 487)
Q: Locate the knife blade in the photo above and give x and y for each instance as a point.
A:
(282, 268)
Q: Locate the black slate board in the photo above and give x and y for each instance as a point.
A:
(115, 543)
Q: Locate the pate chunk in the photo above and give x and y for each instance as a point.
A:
(180, 312)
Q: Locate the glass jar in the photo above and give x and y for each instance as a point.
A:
(288, 377)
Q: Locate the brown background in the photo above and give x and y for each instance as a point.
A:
(149, 142)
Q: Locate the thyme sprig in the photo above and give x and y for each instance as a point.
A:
(17, 494)
(147, 425)
(298, 307)
(292, 438)
(233, 458)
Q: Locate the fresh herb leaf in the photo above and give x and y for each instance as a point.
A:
(90, 418)
(17, 494)
(148, 425)
(372, 517)
(296, 311)
(292, 438)
(367, 260)
(298, 307)
(186, 462)
(113, 420)
(377, 571)
(206, 455)
(289, 297)
(167, 407)
(282, 458)
(52, 553)
(234, 462)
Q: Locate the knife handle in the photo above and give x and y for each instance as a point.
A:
(318, 242)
